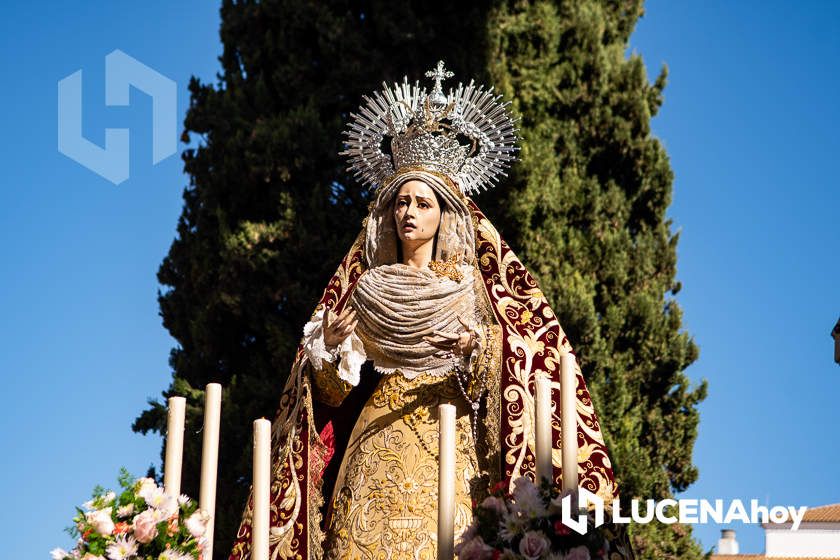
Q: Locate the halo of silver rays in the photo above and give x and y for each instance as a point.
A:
(475, 113)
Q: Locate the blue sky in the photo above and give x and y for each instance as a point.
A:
(749, 120)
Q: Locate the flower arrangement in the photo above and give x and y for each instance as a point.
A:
(141, 523)
(526, 525)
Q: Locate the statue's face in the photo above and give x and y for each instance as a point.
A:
(416, 212)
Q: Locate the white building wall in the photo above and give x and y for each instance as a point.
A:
(811, 539)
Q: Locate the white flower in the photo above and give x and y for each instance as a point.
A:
(170, 554)
(101, 521)
(147, 486)
(527, 499)
(183, 499)
(122, 548)
(159, 500)
(108, 498)
(197, 523)
(125, 511)
(88, 505)
(58, 554)
(511, 525)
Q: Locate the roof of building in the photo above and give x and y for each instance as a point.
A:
(823, 514)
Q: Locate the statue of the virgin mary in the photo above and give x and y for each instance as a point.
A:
(437, 302)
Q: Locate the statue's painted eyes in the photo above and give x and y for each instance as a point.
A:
(422, 204)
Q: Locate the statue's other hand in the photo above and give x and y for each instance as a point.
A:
(337, 329)
(459, 344)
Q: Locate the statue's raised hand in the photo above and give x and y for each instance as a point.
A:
(337, 329)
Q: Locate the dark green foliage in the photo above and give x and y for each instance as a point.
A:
(270, 211)
(585, 210)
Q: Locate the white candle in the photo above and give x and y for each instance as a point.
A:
(210, 460)
(542, 431)
(568, 421)
(446, 483)
(174, 446)
(261, 487)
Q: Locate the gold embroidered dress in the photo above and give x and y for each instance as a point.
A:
(385, 499)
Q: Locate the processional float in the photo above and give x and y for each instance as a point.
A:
(543, 408)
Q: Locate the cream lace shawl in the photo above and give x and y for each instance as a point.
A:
(397, 305)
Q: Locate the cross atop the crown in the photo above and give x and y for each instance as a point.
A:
(439, 74)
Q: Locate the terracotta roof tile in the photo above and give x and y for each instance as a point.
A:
(827, 513)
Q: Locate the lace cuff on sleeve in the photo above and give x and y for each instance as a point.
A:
(351, 352)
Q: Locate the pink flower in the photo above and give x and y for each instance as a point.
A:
(534, 545)
(475, 549)
(492, 503)
(578, 553)
(469, 534)
(145, 526)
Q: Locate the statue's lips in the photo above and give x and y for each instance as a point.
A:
(408, 227)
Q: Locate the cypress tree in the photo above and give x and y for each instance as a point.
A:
(585, 210)
(270, 210)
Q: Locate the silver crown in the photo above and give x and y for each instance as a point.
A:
(427, 130)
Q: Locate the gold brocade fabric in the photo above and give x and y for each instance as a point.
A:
(385, 505)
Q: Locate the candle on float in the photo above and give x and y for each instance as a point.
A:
(568, 421)
(261, 487)
(446, 483)
(174, 446)
(210, 460)
(542, 429)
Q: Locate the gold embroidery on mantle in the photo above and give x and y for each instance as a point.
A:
(327, 386)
